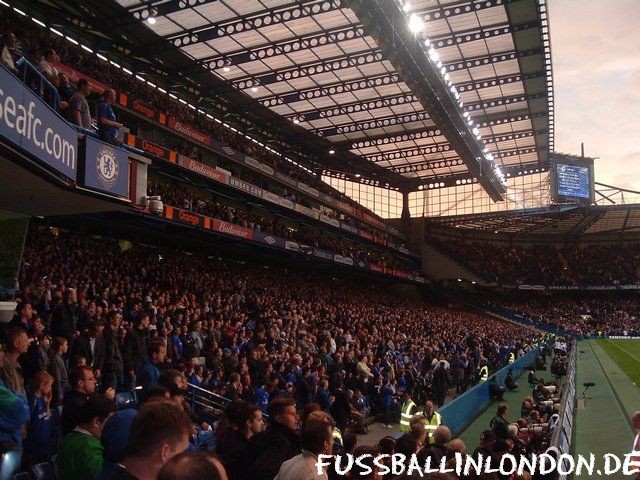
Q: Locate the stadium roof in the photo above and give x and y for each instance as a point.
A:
(351, 77)
(550, 223)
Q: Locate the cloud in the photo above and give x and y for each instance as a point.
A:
(596, 62)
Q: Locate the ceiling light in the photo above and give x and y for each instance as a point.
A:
(415, 23)
(151, 19)
(226, 69)
(358, 175)
(296, 121)
(254, 89)
(332, 151)
(406, 7)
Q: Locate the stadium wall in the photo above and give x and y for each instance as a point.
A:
(461, 411)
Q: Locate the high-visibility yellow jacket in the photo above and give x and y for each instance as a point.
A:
(431, 424)
(406, 415)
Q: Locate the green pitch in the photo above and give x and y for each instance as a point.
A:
(626, 353)
(603, 419)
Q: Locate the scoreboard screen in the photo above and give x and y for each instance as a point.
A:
(573, 181)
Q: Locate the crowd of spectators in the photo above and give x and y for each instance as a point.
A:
(204, 202)
(578, 264)
(579, 313)
(100, 315)
(43, 49)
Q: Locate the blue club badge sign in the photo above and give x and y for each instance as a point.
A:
(107, 166)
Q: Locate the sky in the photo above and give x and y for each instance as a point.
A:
(595, 49)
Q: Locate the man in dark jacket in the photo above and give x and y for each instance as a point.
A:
(65, 316)
(90, 345)
(237, 449)
(134, 350)
(499, 424)
(83, 386)
(112, 368)
(441, 383)
(280, 442)
(340, 408)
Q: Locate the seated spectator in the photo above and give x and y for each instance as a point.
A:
(271, 448)
(158, 432)
(24, 312)
(14, 411)
(115, 435)
(193, 466)
(149, 371)
(38, 444)
(496, 391)
(317, 439)
(8, 44)
(509, 382)
(80, 456)
(46, 64)
(83, 386)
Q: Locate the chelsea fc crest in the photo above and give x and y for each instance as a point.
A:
(107, 166)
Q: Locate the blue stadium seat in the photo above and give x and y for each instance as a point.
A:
(22, 476)
(43, 471)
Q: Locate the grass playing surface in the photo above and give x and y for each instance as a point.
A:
(626, 353)
(602, 422)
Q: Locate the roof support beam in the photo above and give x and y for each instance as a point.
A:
(264, 18)
(406, 53)
(397, 153)
(408, 153)
(499, 101)
(347, 108)
(373, 123)
(356, 59)
(451, 180)
(332, 89)
(496, 81)
(386, 138)
(266, 51)
(481, 60)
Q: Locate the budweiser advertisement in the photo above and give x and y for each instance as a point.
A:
(233, 230)
(203, 169)
(178, 126)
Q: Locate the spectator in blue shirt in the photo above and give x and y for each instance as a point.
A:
(107, 125)
(37, 445)
(149, 371)
(386, 400)
(263, 394)
(324, 399)
(176, 343)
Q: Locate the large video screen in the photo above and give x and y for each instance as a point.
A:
(573, 181)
